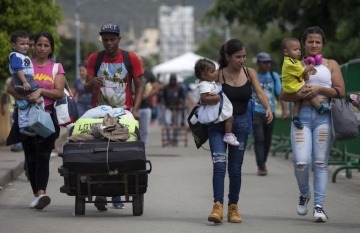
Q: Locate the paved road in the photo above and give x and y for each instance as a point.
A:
(179, 198)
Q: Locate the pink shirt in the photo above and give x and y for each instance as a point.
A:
(45, 79)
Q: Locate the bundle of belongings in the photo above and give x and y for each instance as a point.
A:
(105, 123)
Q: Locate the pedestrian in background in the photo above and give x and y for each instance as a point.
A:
(312, 144)
(83, 99)
(173, 100)
(7, 106)
(32, 48)
(151, 88)
(271, 84)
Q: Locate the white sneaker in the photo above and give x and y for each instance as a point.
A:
(33, 202)
(231, 139)
(319, 214)
(42, 201)
(301, 207)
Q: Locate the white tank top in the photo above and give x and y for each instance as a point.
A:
(321, 78)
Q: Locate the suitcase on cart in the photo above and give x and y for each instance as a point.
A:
(102, 168)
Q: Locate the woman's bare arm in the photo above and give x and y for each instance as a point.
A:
(307, 91)
(56, 93)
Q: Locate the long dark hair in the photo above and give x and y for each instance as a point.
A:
(229, 48)
(50, 38)
(313, 30)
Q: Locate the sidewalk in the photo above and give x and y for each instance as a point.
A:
(11, 165)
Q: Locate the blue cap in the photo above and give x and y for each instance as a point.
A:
(263, 57)
(110, 28)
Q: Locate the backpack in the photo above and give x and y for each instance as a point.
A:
(272, 76)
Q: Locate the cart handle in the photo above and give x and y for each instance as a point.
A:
(149, 162)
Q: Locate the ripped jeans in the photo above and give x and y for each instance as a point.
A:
(233, 162)
(311, 148)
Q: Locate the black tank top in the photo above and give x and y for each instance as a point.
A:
(238, 96)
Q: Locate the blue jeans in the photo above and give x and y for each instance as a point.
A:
(144, 122)
(311, 148)
(233, 162)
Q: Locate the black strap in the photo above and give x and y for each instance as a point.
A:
(126, 60)
(99, 59)
(272, 76)
(246, 71)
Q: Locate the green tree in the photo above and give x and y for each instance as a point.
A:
(67, 56)
(29, 15)
(337, 18)
(254, 40)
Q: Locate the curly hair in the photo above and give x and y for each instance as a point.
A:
(201, 66)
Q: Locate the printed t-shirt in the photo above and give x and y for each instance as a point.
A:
(116, 91)
(44, 78)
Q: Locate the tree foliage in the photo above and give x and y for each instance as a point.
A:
(30, 15)
(338, 19)
(67, 56)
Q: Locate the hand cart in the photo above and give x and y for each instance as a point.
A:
(101, 168)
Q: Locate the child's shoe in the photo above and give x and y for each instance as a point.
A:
(28, 132)
(322, 109)
(298, 124)
(231, 139)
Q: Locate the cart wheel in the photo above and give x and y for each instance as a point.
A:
(79, 206)
(138, 205)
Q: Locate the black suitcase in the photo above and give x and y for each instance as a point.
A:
(113, 168)
(101, 156)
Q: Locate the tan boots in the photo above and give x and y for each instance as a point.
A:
(233, 214)
(216, 215)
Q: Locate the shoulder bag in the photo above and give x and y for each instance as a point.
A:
(41, 121)
(250, 107)
(198, 130)
(343, 120)
(65, 108)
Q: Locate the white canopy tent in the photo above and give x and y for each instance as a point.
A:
(182, 66)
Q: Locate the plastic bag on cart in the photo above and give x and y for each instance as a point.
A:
(102, 110)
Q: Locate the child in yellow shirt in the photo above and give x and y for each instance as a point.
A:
(294, 76)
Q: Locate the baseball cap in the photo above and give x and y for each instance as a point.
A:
(110, 28)
(263, 57)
